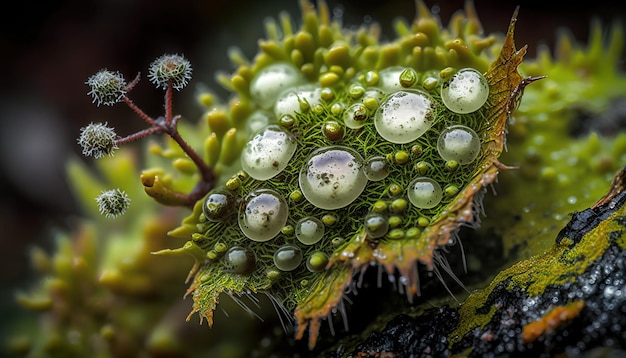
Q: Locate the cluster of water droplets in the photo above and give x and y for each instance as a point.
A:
(399, 107)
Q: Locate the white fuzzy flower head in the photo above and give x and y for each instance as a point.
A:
(107, 87)
(97, 140)
(113, 203)
(170, 68)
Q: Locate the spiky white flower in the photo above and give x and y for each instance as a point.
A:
(97, 140)
(170, 68)
(113, 203)
(107, 87)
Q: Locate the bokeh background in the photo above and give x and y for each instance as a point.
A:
(49, 48)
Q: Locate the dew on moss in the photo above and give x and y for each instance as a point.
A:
(376, 225)
(332, 177)
(263, 214)
(355, 116)
(376, 168)
(309, 230)
(389, 79)
(404, 116)
(465, 92)
(271, 81)
(268, 152)
(424, 192)
(288, 257)
(297, 100)
(458, 143)
(219, 204)
(239, 260)
(317, 261)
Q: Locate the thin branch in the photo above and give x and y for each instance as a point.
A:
(143, 133)
(168, 102)
(139, 112)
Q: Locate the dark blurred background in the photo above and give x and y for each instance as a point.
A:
(49, 48)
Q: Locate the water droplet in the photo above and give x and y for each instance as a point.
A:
(376, 225)
(317, 261)
(355, 116)
(240, 260)
(465, 92)
(291, 101)
(271, 81)
(404, 116)
(219, 205)
(458, 143)
(268, 152)
(376, 168)
(332, 177)
(309, 230)
(424, 193)
(287, 257)
(389, 79)
(263, 214)
(258, 120)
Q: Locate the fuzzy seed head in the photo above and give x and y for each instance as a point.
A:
(170, 68)
(97, 140)
(112, 203)
(107, 87)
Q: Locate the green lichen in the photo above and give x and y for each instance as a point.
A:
(340, 80)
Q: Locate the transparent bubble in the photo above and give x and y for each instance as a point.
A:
(268, 152)
(287, 257)
(240, 260)
(309, 230)
(404, 116)
(317, 261)
(355, 116)
(459, 143)
(291, 101)
(465, 92)
(376, 168)
(424, 192)
(373, 93)
(263, 214)
(271, 81)
(376, 225)
(332, 177)
(389, 79)
(258, 119)
(219, 205)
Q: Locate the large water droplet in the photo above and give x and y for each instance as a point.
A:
(424, 192)
(309, 230)
(465, 92)
(271, 81)
(287, 257)
(268, 152)
(263, 214)
(404, 116)
(459, 143)
(332, 177)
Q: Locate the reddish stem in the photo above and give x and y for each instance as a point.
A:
(168, 102)
(139, 112)
(138, 135)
